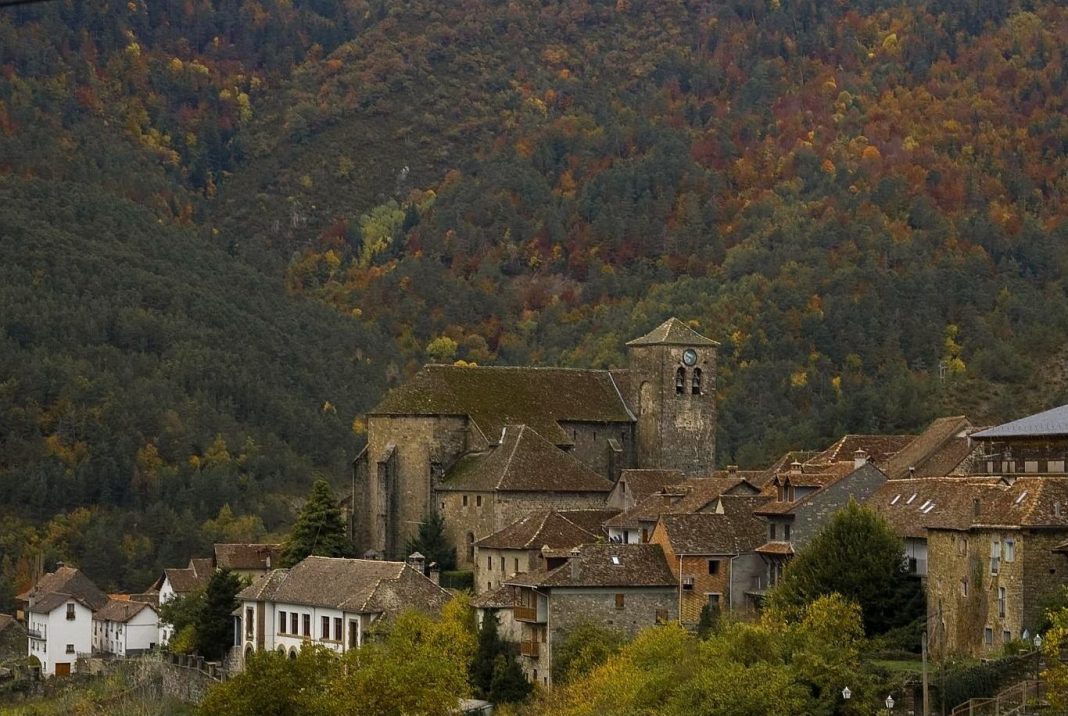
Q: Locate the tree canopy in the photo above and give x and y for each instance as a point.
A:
(859, 556)
(431, 542)
(319, 529)
(215, 620)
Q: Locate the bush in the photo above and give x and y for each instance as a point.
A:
(458, 579)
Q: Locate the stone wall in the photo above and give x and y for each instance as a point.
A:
(815, 512)
(591, 446)
(187, 679)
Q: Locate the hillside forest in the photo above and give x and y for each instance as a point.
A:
(229, 225)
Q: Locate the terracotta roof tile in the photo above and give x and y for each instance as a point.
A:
(775, 548)
(644, 482)
(880, 448)
(500, 598)
(692, 495)
(605, 565)
(931, 446)
(191, 578)
(913, 505)
(523, 462)
(247, 556)
(494, 397)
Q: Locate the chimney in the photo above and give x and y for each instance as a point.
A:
(576, 568)
(795, 468)
(435, 573)
(732, 470)
(417, 562)
(860, 458)
(977, 506)
(912, 471)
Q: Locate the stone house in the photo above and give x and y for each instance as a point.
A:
(636, 484)
(992, 564)
(803, 499)
(59, 618)
(329, 601)
(622, 587)
(180, 581)
(125, 628)
(517, 548)
(247, 560)
(636, 525)
(713, 556)
(426, 438)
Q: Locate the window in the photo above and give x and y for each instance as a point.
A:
(696, 387)
(282, 622)
(1006, 636)
(713, 601)
(786, 530)
(515, 567)
(478, 500)
(307, 625)
(325, 625)
(1001, 602)
(1010, 550)
(293, 617)
(962, 546)
(354, 634)
(964, 587)
(70, 612)
(489, 563)
(337, 628)
(988, 636)
(249, 614)
(772, 533)
(70, 648)
(680, 381)
(995, 556)
(713, 566)
(464, 500)
(502, 565)
(470, 546)
(620, 602)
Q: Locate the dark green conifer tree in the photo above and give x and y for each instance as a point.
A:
(319, 530)
(215, 622)
(432, 544)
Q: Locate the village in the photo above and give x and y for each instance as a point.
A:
(592, 497)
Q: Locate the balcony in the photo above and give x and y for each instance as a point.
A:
(35, 633)
(525, 613)
(530, 648)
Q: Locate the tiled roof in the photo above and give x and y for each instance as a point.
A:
(523, 462)
(913, 505)
(351, 585)
(590, 520)
(784, 548)
(879, 448)
(672, 332)
(46, 602)
(6, 620)
(69, 581)
(120, 611)
(605, 565)
(830, 475)
(692, 495)
(937, 450)
(494, 397)
(191, 578)
(1052, 422)
(712, 533)
(644, 482)
(499, 598)
(538, 529)
(247, 556)
(1029, 502)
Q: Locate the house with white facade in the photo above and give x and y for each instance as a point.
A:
(125, 628)
(59, 618)
(180, 582)
(329, 601)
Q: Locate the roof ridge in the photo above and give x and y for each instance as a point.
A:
(508, 462)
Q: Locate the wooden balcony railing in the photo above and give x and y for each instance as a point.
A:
(525, 614)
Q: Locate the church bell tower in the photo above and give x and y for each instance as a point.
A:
(673, 388)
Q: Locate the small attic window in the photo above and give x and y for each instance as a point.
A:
(929, 508)
(1020, 498)
(925, 505)
(680, 381)
(615, 560)
(895, 500)
(909, 501)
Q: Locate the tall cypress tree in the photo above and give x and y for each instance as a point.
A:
(489, 646)
(432, 544)
(319, 530)
(215, 623)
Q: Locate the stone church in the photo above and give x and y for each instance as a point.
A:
(485, 446)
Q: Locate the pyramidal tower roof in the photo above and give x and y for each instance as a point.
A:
(672, 332)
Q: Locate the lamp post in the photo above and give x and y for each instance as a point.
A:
(890, 704)
(846, 694)
(1038, 665)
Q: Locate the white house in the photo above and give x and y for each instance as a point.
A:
(180, 582)
(59, 618)
(125, 628)
(329, 601)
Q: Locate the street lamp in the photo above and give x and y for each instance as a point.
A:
(847, 694)
(890, 704)
(1038, 665)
